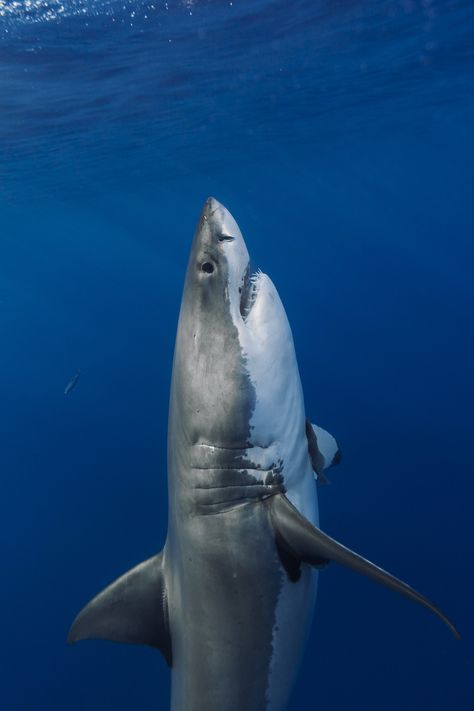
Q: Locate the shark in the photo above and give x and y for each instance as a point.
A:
(229, 600)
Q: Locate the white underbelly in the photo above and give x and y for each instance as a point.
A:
(295, 609)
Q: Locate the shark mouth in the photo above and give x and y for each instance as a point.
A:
(248, 291)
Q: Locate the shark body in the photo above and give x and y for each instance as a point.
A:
(230, 599)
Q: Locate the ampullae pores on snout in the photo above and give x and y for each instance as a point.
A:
(230, 598)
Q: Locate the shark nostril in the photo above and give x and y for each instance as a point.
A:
(207, 267)
(226, 238)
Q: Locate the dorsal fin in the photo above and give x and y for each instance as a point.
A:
(132, 609)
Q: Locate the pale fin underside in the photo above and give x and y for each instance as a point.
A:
(132, 609)
(310, 545)
(323, 450)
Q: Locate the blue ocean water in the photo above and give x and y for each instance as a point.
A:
(339, 133)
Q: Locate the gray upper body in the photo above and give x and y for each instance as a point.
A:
(229, 600)
(222, 566)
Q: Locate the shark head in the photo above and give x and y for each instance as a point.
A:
(235, 367)
(219, 264)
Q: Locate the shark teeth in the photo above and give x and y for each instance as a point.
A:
(249, 291)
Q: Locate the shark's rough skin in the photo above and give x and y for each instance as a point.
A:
(230, 599)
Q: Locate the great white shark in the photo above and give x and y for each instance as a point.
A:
(230, 598)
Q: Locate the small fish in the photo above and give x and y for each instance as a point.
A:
(72, 383)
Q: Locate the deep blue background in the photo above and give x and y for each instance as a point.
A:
(340, 136)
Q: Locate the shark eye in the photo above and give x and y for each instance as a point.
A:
(207, 267)
(226, 238)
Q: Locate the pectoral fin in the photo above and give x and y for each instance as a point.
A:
(323, 450)
(312, 546)
(132, 609)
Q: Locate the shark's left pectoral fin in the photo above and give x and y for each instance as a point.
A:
(323, 450)
(310, 545)
(132, 609)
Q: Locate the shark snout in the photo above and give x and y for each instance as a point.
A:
(222, 225)
(220, 220)
(212, 205)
